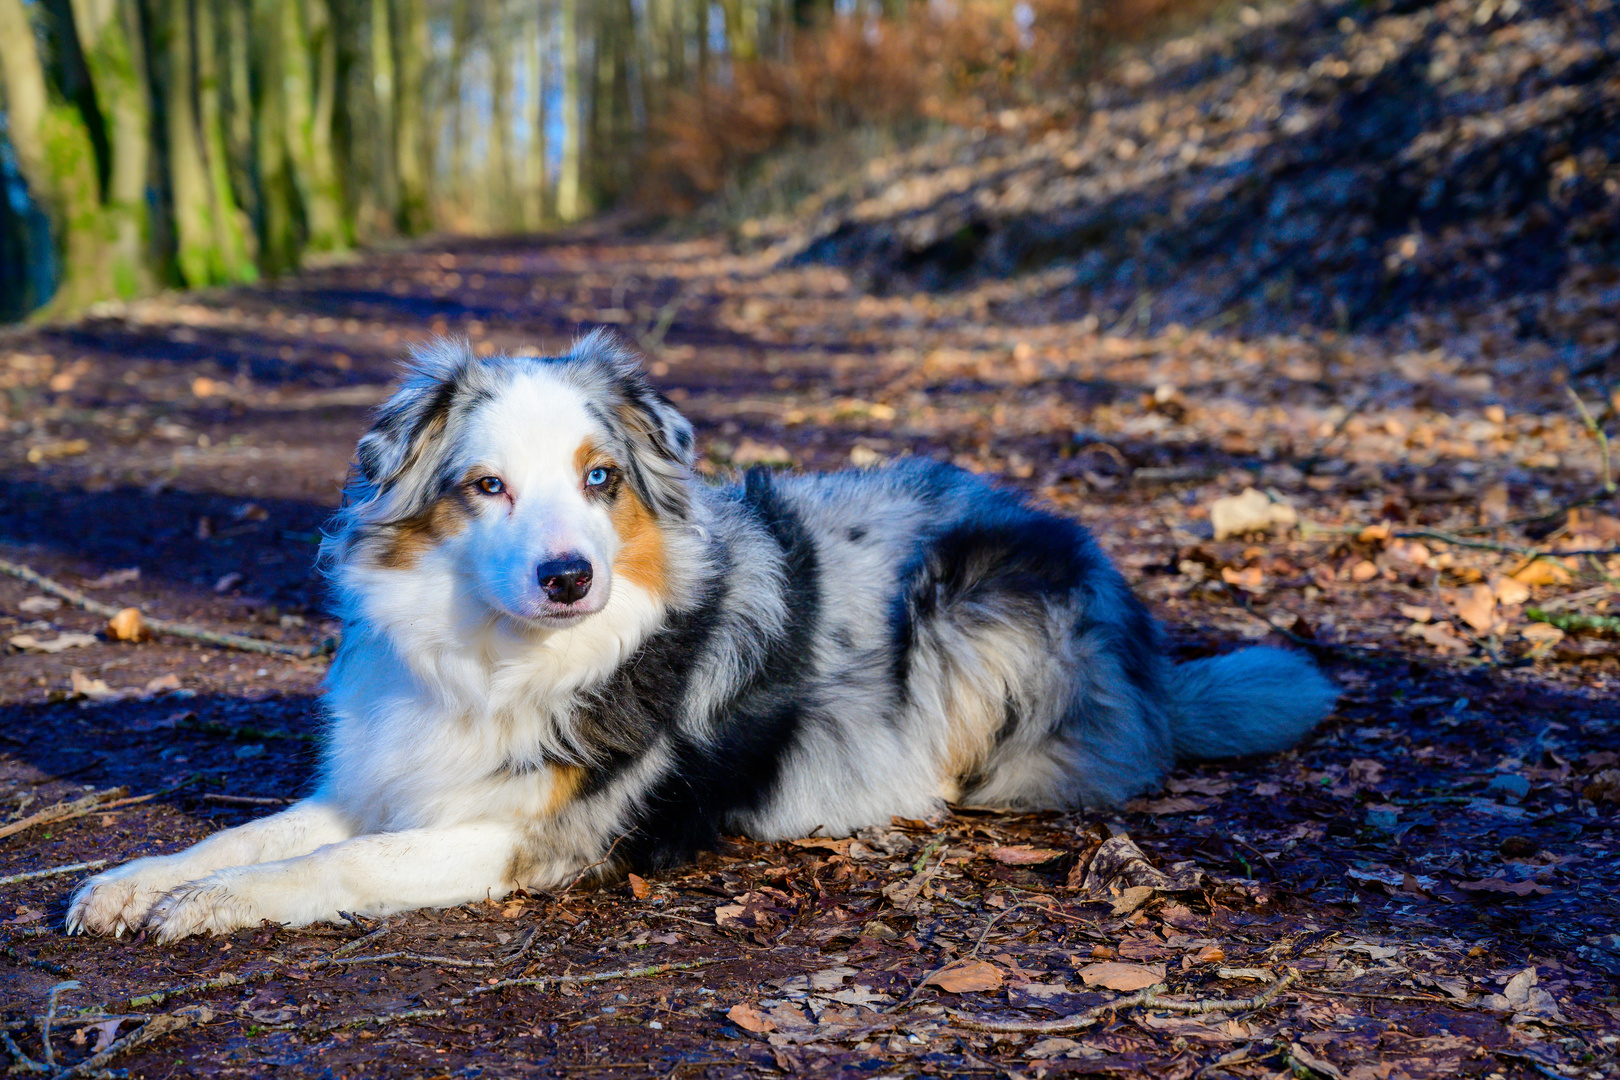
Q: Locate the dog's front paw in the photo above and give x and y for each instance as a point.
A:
(216, 904)
(118, 899)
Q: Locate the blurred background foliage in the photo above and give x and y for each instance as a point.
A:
(151, 143)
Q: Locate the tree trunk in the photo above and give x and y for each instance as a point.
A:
(386, 151)
(110, 35)
(571, 201)
(308, 72)
(498, 169)
(278, 197)
(410, 146)
(57, 161)
(239, 160)
(197, 250)
(231, 229)
(535, 117)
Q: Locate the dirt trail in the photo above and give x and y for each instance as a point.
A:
(1451, 829)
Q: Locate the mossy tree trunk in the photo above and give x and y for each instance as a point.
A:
(232, 231)
(572, 203)
(110, 35)
(308, 71)
(58, 162)
(279, 212)
(410, 41)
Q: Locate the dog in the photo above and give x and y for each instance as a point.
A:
(564, 655)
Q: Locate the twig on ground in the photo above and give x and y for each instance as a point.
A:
(248, 800)
(1148, 998)
(49, 1018)
(110, 799)
(96, 800)
(1594, 429)
(164, 626)
(218, 982)
(599, 862)
(161, 1024)
(32, 875)
(971, 953)
(1492, 545)
(20, 1062)
(421, 958)
(508, 984)
(350, 946)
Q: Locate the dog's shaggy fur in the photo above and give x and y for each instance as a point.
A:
(556, 639)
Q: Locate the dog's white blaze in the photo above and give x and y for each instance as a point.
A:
(447, 659)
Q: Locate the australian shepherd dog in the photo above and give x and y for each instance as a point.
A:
(563, 652)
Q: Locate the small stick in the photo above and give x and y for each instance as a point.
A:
(424, 958)
(157, 997)
(971, 953)
(158, 1025)
(249, 800)
(1148, 998)
(33, 875)
(164, 626)
(20, 1061)
(1491, 545)
(50, 1017)
(65, 811)
(507, 984)
(581, 875)
(350, 946)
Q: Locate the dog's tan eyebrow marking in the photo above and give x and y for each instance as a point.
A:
(414, 536)
(586, 455)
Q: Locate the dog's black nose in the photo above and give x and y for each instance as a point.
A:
(566, 579)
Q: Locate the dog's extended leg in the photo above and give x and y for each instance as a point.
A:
(373, 874)
(118, 899)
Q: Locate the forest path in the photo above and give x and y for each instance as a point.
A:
(1452, 828)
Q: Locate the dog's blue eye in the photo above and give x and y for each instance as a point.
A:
(491, 485)
(596, 477)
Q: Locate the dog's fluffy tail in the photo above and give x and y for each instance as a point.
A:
(1255, 701)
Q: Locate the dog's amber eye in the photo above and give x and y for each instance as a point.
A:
(491, 485)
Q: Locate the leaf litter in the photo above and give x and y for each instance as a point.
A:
(1426, 888)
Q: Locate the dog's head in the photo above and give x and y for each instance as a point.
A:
(536, 483)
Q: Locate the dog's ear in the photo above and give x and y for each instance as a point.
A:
(412, 416)
(661, 440)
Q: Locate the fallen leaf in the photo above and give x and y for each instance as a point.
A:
(127, 625)
(1117, 975)
(1176, 804)
(639, 887)
(1478, 608)
(1250, 511)
(55, 645)
(115, 577)
(816, 843)
(1250, 580)
(1510, 591)
(1542, 572)
(1024, 855)
(1415, 613)
(82, 686)
(1315, 1064)
(1050, 1048)
(967, 977)
(104, 1033)
(161, 685)
(1440, 635)
(38, 605)
(1364, 571)
(750, 1019)
(1132, 898)
(1503, 886)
